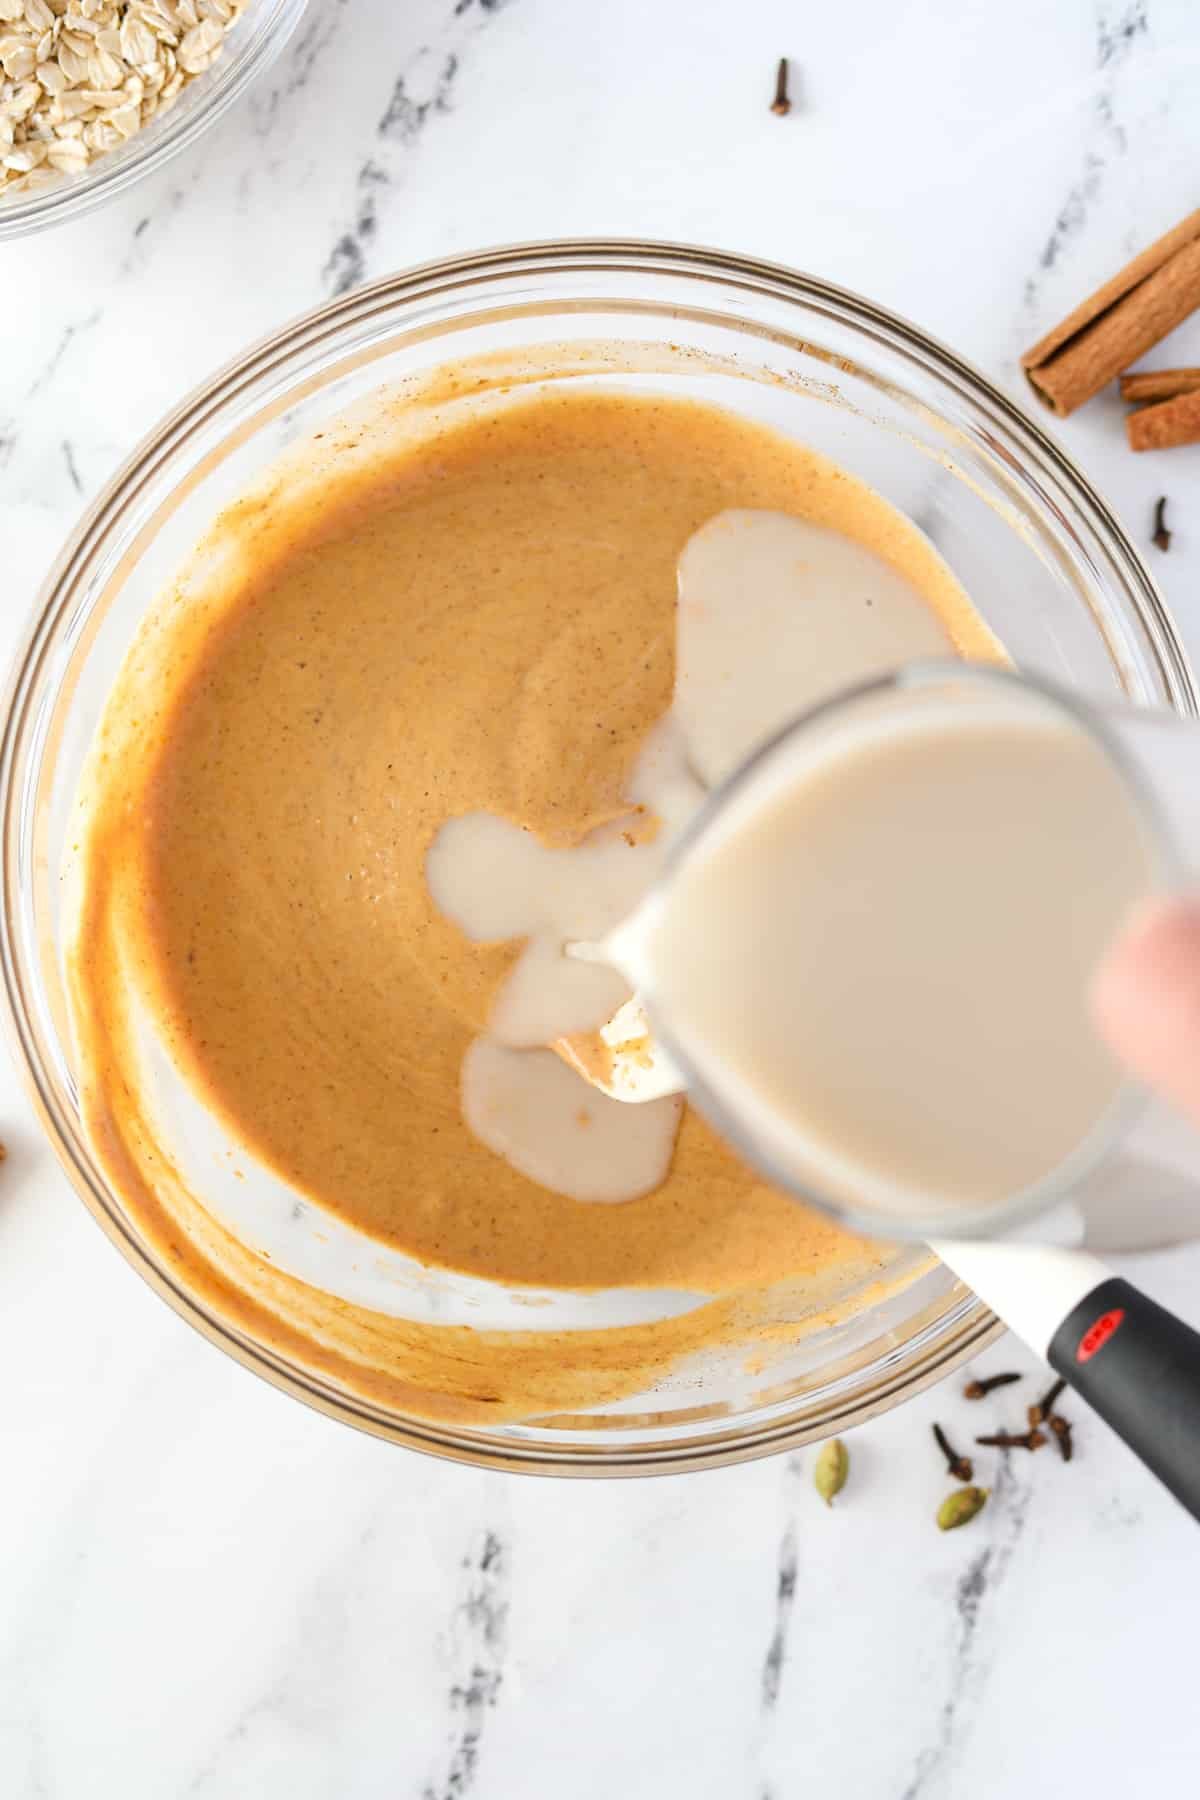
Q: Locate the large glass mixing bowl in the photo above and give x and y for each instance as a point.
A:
(1039, 552)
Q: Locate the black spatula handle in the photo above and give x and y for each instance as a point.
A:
(1138, 1366)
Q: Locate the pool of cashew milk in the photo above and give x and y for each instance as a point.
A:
(390, 739)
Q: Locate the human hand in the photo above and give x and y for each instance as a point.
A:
(1146, 1000)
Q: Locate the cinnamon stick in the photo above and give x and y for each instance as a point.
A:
(1119, 322)
(1165, 426)
(1159, 384)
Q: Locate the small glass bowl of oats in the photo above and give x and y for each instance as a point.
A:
(96, 93)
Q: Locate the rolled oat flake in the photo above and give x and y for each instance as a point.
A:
(78, 78)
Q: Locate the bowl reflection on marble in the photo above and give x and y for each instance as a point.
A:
(1046, 564)
(257, 37)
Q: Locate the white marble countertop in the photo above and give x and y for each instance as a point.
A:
(209, 1590)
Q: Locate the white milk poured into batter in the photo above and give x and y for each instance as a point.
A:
(879, 962)
(774, 615)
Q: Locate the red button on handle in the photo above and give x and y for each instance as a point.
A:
(1099, 1332)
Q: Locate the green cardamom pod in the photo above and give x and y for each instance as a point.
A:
(831, 1470)
(960, 1507)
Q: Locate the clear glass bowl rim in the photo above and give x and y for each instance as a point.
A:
(254, 379)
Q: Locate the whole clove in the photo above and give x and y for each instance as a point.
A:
(1062, 1435)
(975, 1390)
(960, 1467)
(1162, 537)
(781, 105)
(1014, 1440)
(1040, 1411)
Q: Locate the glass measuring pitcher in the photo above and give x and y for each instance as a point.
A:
(1008, 826)
(1133, 800)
